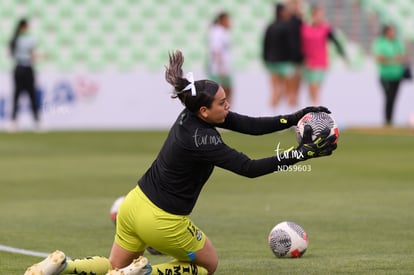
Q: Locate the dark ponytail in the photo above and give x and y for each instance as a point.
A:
(174, 72)
(12, 45)
(205, 89)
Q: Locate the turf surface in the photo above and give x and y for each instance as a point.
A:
(357, 206)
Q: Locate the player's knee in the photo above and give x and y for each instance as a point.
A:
(210, 264)
(210, 267)
(207, 257)
(121, 257)
(213, 268)
(114, 263)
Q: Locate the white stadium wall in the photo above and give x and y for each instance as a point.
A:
(142, 100)
(104, 60)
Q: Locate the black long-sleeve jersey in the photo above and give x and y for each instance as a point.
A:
(192, 149)
(279, 44)
(295, 23)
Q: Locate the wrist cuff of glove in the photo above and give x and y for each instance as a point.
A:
(288, 120)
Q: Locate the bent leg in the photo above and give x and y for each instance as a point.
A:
(177, 267)
(173, 235)
(57, 263)
(118, 258)
(121, 257)
(89, 265)
(207, 257)
(205, 263)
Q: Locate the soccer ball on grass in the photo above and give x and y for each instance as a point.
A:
(288, 240)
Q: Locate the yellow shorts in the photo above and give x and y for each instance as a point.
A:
(140, 223)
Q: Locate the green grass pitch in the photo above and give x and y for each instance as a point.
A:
(357, 206)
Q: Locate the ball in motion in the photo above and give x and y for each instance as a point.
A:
(288, 240)
(319, 122)
(113, 212)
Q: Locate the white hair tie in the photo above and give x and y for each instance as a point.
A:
(190, 78)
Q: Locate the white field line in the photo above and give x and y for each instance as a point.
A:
(23, 251)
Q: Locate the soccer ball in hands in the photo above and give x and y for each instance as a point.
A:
(288, 240)
(319, 122)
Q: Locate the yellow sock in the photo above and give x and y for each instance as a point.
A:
(176, 267)
(90, 265)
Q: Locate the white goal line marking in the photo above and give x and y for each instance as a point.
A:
(24, 251)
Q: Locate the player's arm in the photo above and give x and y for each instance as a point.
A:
(266, 45)
(265, 125)
(338, 46)
(237, 162)
(228, 158)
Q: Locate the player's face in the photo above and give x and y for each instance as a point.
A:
(318, 16)
(226, 22)
(390, 33)
(219, 108)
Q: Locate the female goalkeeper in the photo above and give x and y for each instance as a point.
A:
(156, 212)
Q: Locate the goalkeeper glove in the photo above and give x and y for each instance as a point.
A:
(294, 118)
(321, 146)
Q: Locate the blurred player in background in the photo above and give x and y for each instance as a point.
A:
(390, 55)
(156, 212)
(277, 54)
(219, 58)
(295, 8)
(315, 37)
(22, 47)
